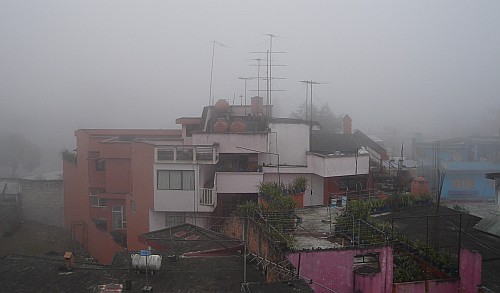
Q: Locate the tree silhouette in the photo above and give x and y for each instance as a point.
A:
(16, 151)
(324, 115)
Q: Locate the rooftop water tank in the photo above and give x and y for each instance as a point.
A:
(222, 106)
(238, 125)
(153, 262)
(220, 125)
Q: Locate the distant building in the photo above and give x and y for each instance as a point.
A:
(460, 164)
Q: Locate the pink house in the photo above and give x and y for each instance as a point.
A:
(127, 182)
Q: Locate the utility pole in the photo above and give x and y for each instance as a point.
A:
(210, 98)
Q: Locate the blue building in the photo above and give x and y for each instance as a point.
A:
(461, 163)
(467, 180)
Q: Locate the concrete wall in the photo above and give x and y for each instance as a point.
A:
(229, 142)
(327, 166)
(259, 242)
(291, 141)
(470, 270)
(43, 201)
(334, 269)
(238, 182)
(437, 286)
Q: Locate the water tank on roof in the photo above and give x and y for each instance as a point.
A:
(420, 186)
(220, 125)
(257, 106)
(222, 106)
(139, 262)
(238, 125)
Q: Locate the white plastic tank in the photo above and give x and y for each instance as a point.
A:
(153, 262)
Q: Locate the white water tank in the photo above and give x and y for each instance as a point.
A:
(153, 262)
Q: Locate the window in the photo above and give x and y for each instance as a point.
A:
(367, 263)
(174, 219)
(463, 183)
(184, 154)
(100, 165)
(101, 224)
(133, 206)
(97, 201)
(175, 180)
(166, 155)
(118, 217)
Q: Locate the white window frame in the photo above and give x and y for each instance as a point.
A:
(120, 212)
(187, 180)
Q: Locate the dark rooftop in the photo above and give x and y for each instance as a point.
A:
(345, 143)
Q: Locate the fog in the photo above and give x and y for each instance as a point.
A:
(393, 66)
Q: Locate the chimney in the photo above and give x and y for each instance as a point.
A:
(347, 125)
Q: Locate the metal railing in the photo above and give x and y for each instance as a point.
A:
(207, 196)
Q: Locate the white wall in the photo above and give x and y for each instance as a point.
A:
(230, 142)
(156, 220)
(291, 141)
(238, 182)
(318, 188)
(329, 166)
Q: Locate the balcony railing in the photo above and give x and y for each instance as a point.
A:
(207, 196)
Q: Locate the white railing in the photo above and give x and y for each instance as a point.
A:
(207, 196)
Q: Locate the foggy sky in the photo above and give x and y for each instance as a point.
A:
(416, 66)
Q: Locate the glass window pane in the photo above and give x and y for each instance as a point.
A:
(163, 180)
(175, 180)
(188, 180)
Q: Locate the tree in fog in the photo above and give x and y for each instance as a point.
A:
(324, 115)
(17, 152)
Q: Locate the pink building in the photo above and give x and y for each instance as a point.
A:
(125, 183)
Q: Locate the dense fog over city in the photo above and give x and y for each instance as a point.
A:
(395, 67)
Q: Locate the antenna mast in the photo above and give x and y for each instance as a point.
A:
(210, 98)
(310, 83)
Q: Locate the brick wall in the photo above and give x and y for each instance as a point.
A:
(43, 201)
(260, 243)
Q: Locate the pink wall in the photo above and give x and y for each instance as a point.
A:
(470, 270)
(437, 286)
(334, 269)
(118, 175)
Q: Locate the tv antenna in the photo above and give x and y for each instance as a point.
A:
(210, 98)
(269, 65)
(310, 83)
(245, 80)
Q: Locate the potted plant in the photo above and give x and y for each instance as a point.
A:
(298, 187)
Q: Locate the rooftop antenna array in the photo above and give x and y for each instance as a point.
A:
(269, 65)
(310, 83)
(210, 97)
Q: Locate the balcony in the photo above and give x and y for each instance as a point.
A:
(208, 196)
